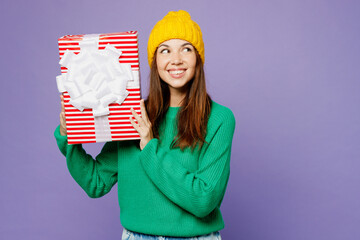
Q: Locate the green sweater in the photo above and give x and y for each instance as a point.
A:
(161, 191)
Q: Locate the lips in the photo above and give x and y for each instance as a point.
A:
(177, 73)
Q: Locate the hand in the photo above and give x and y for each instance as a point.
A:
(62, 117)
(143, 126)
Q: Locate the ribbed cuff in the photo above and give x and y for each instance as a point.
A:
(148, 153)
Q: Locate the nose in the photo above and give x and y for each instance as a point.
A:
(176, 59)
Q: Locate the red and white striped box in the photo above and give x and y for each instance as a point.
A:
(81, 124)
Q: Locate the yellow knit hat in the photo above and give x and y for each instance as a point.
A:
(176, 25)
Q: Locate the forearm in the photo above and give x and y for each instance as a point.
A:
(83, 168)
(197, 192)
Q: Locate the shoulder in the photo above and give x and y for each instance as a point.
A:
(221, 113)
(221, 116)
(221, 124)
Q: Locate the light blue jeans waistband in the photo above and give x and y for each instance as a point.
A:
(129, 235)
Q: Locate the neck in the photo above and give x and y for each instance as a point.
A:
(176, 98)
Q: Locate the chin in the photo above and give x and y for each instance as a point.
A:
(180, 87)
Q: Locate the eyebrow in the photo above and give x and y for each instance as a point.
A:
(186, 44)
(164, 45)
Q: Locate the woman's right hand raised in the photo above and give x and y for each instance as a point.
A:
(62, 117)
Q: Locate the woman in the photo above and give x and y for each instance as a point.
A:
(173, 184)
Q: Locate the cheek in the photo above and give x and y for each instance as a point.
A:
(160, 67)
(161, 64)
(192, 64)
(192, 61)
(192, 73)
(158, 62)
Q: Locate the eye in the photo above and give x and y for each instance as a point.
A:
(165, 51)
(187, 49)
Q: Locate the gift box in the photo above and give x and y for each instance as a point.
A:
(100, 82)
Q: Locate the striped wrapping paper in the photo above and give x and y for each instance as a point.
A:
(81, 125)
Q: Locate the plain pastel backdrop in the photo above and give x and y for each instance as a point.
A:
(289, 70)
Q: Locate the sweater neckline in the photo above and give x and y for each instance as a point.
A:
(172, 111)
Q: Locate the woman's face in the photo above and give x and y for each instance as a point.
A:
(176, 61)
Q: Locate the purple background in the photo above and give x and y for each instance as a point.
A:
(289, 70)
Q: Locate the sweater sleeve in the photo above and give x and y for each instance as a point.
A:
(198, 192)
(96, 178)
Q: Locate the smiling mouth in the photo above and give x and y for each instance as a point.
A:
(176, 72)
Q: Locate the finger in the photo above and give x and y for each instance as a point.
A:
(62, 99)
(62, 105)
(62, 120)
(137, 117)
(143, 111)
(133, 123)
(62, 124)
(63, 117)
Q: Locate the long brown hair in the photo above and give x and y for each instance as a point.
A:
(194, 113)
